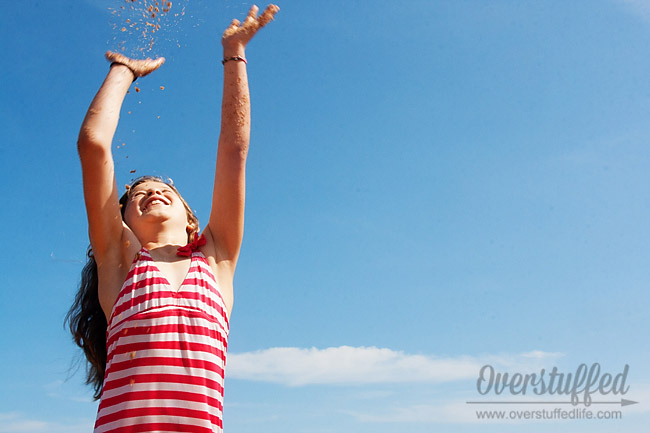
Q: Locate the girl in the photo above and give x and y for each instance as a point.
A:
(152, 311)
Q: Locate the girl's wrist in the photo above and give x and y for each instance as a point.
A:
(234, 59)
(236, 50)
(124, 69)
(233, 55)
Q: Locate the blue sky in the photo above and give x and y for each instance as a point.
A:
(432, 186)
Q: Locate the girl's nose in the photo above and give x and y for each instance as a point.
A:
(154, 191)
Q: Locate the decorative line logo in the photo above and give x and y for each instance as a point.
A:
(583, 383)
(622, 402)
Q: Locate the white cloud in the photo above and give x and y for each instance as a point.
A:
(367, 365)
(459, 411)
(364, 365)
(538, 354)
(638, 7)
(14, 422)
(641, 394)
(455, 412)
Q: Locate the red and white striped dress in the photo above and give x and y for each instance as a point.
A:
(166, 353)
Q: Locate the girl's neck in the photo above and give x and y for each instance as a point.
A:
(163, 242)
(164, 253)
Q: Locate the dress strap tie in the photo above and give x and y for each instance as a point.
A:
(187, 250)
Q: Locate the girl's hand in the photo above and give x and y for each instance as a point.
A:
(237, 35)
(140, 68)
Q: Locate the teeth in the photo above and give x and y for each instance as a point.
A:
(154, 202)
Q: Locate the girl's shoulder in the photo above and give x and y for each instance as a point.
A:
(113, 267)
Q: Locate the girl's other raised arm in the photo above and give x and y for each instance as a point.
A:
(226, 224)
(94, 146)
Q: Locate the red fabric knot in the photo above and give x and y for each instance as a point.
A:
(186, 251)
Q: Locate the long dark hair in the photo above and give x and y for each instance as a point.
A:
(86, 319)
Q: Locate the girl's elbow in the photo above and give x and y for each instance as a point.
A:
(89, 141)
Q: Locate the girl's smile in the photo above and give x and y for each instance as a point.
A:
(153, 201)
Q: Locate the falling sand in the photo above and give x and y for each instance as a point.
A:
(139, 26)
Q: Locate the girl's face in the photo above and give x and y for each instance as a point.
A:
(154, 202)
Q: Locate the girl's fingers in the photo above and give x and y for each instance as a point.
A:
(252, 13)
(232, 28)
(268, 15)
(252, 23)
(114, 57)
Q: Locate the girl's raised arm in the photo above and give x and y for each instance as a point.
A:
(94, 146)
(226, 224)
